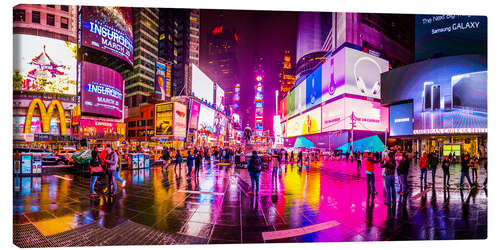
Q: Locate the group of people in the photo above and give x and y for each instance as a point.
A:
(105, 164)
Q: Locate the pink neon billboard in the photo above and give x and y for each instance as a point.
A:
(370, 115)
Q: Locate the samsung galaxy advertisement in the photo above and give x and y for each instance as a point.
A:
(44, 65)
(449, 35)
(449, 94)
(102, 91)
(203, 86)
(369, 115)
(401, 119)
(108, 29)
(305, 124)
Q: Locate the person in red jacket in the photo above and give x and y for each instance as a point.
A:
(423, 163)
(370, 173)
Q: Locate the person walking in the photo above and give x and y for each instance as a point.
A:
(485, 183)
(189, 163)
(390, 181)
(286, 157)
(433, 162)
(300, 158)
(423, 163)
(446, 170)
(276, 163)
(197, 164)
(475, 167)
(254, 168)
(402, 170)
(370, 173)
(465, 165)
(118, 169)
(112, 162)
(96, 170)
(166, 157)
(178, 160)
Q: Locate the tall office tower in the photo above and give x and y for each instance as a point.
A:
(222, 62)
(389, 35)
(313, 28)
(140, 82)
(286, 75)
(179, 45)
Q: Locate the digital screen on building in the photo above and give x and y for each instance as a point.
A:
(313, 88)
(333, 76)
(401, 119)
(164, 119)
(259, 124)
(449, 94)
(180, 122)
(206, 119)
(283, 109)
(219, 97)
(290, 103)
(95, 127)
(369, 115)
(163, 79)
(220, 124)
(44, 65)
(194, 114)
(305, 124)
(203, 86)
(36, 127)
(108, 29)
(102, 91)
(276, 125)
(300, 97)
(449, 35)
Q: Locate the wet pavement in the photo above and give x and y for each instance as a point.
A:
(326, 201)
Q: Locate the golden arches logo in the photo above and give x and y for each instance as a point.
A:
(45, 115)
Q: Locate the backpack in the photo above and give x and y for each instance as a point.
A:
(256, 166)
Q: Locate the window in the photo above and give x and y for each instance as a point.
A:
(64, 22)
(19, 15)
(51, 19)
(35, 17)
(150, 123)
(51, 6)
(131, 124)
(131, 133)
(152, 113)
(65, 8)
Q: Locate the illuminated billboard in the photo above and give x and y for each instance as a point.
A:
(95, 127)
(313, 88)
(193, 115)
(18, 123)
(109, 30)
(219, 97)
(206, 119)
(401, 119)
(44, 65)
(180, 119)
(369, 115)
(300, 97)
(449, 94)
(203, 86)
(220, 124)
(164, 119)
(102, 91)
(333, 76)
(290, 103)
(304, 124)
(283, 108)
(449, 35)
(163, 79)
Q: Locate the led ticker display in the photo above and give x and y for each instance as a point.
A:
(203, 86)
(108, 29)
(304, 124)
(102, 91)
(449, 94)
(44, 65)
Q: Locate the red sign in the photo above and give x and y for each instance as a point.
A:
(93, 127)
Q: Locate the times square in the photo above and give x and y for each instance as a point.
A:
(163, 126)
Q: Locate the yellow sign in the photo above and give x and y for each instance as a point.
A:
(164, 119)
(45, 115)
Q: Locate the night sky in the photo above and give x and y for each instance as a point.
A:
(263, 33)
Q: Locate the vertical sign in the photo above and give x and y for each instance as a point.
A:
(164, 119)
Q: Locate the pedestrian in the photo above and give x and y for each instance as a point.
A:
(370, 173)
(403, 170)
(390, 182)
(276, 163)
(189, 163)
(465, 165)
(446, 170)
(118, 169)
(433, 162)
(111, 162)
(423, 163)
(292, 157)
(358, 160)
(96, 170)
(300, 159)
(485, 183)
(279, 158)
(178, 160)
(254, 168)
(197, 163)
(166, 157)
(286, 157)
(475, 167)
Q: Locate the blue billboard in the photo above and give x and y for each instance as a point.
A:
(313, 88)
(401, 119)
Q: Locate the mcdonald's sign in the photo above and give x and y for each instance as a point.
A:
(45, 115)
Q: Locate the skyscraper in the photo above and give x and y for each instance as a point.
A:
(286, 75)
(179, 45)
(222, 62)
(259, 94)
(139, 83)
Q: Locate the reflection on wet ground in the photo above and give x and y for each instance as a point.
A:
(322, 202)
